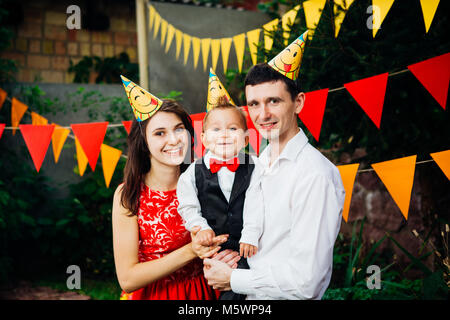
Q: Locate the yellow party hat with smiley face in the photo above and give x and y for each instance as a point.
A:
(216, 90)
(143, 103)
(288, 61)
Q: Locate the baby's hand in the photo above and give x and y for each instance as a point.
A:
(247, 250)
(205, 237)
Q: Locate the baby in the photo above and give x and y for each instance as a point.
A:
(211, 192)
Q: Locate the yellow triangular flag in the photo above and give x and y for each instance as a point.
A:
(151, 18)
(268, 29)
(170, 34)
(286, 21)
(429, 8)
(313, 11)
(164, 25)
(398, 177)
(81, 158)
(239, 47)
(348, 175)
(253, 41)
(186, 46)
(59, 136)
(339, 15)
(110, 157)
(179, 41)
(196, 43)
(443, 161)
(18, 109)
(225, 46)
(157, 24)
(215, 51)
(37, 119)
(205, 51)
(380, 10)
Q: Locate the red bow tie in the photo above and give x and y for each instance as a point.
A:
(231, 164)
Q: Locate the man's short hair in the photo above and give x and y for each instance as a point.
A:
(262, 72)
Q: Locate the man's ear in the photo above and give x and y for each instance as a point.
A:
(299, 102)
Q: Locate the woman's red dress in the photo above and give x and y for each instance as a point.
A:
(161, 231)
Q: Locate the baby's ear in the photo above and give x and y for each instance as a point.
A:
(247, 138)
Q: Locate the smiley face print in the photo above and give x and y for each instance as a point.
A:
(215, 91)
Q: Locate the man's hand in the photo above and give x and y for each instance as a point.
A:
(228, 256)
(218, 274)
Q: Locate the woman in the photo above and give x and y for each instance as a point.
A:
(153, 252)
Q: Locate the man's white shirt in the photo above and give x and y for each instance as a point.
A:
(302, 200)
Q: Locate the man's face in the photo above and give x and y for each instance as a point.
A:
(273, 111)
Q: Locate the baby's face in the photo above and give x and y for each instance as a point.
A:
(224, 134)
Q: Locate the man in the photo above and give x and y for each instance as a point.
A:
(302, 195)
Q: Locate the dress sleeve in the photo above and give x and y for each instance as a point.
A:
(189, 206)
(316, 218)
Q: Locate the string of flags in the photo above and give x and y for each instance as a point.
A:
(397, 174)
(312, 12)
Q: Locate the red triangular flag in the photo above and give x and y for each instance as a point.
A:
(434, 75)
(255, 137)
(127, 125)
(90, 136)
(313, 110)
(37, 138)
(197, 123)
(2, 127)
(369, 93)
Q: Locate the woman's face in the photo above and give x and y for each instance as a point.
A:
(167, 139)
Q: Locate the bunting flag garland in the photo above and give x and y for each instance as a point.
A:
(205, 51)
(37, 119)
(312, 113)
(3, 95)
(398, 177)
(163, 31)
(380, 10)
(90, 136)
(178, 42)
(58, 138)
(127, 125)
(286, 21)
(443, 161)
(313, 11)
(215, 51)
(197, 123)
(2, 127)
(429, 8)
(255, 137)
(434, 75)
(110, 157)
(369, 93)
(81, 158)
(253, 41)
(187, 46)
(151, 16)
(239, 46)
(348, 175)
(196, 45)
(18, 109)
(225, 46)
(170, 34)
(268, 29)
(37, 138)
(156, 25)
(340, 10)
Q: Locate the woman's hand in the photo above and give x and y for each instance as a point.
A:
(203, 251)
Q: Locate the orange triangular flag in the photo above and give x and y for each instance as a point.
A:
(81, 157)
(443, 161)
(2, 127)
(17, 111)
(348, 175)
(37, 138)
(37, 119)
(110, 156)
(58, 138)
(398, 177)
(3, 95)
(90, 136)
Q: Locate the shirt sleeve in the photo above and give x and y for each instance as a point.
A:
(188, 204)
(316, 219)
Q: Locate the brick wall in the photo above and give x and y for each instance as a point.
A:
(43, 46)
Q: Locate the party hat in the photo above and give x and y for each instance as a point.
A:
(144, 104)
(216, 90)
(288, 61)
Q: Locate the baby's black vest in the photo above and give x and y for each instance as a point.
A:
(224, 217)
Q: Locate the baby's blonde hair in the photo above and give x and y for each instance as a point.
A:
(223, 104)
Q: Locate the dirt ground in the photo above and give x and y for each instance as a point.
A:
(25, 291)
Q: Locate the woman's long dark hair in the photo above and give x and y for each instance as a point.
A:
(138, 161)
